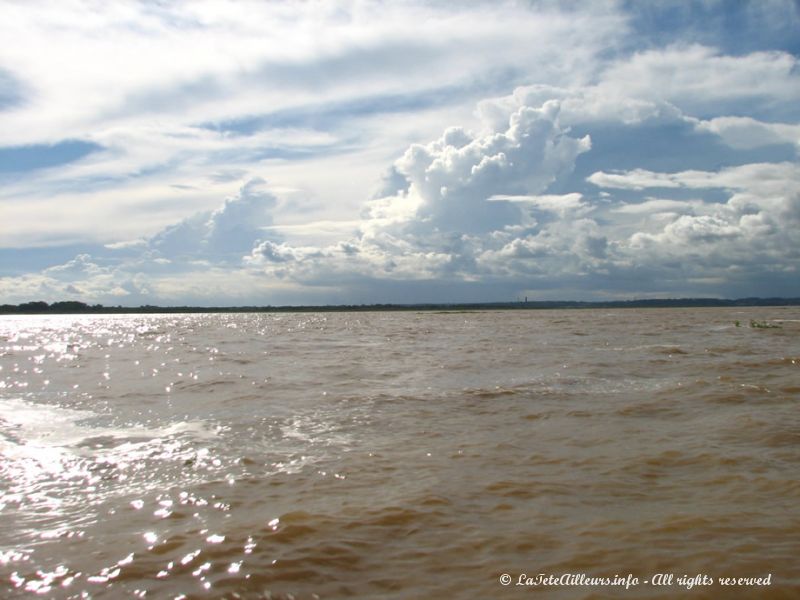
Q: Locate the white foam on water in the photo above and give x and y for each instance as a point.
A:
(42, 426)
(34, 425)
(48, 449)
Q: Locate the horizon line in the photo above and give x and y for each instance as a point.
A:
(79, 307)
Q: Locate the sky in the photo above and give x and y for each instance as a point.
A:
(221, 153)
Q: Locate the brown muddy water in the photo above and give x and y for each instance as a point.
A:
(401, 455)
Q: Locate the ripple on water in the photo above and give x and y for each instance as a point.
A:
(445, 451)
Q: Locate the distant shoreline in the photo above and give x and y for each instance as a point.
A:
(74, 307)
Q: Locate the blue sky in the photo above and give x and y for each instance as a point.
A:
(220, 153)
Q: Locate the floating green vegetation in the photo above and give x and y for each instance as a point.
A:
(762, 325)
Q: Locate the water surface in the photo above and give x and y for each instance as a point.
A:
(398, 455)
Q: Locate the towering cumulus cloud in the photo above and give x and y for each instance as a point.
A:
(455, 175)
(449, 209)
(224, 233)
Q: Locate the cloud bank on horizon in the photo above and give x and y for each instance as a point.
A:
(220, 153)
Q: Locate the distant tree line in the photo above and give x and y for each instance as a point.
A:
(76, 307)
(66, 306)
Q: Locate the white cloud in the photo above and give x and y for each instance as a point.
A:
(746, 132)
(560, 204)
(163, 88)
(584, 104)
(637, 179)
(455, 175)
(696, 77)
(81, 278)
(753, 234)
(690, 230)
(762, 178)
(222, 234)
(658, 206)
(195, 101)
(468, 205)
(184, 65)
(79, 267)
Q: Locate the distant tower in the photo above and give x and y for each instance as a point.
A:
(526, 299)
